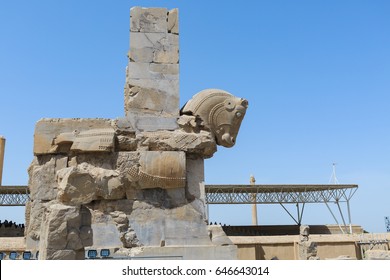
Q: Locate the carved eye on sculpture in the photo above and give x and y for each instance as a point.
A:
(238, 114)
(229, 105)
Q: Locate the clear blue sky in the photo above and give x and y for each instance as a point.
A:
(316, 74)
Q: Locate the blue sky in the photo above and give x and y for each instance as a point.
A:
(316, 74)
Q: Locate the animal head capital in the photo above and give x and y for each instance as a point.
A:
(220, 111)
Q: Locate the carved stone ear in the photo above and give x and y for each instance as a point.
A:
(229, 104)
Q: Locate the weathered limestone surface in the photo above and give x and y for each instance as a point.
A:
(377, 255)
(133, 184)
(220, 111)
(158, 168)
(47, 130)
(152, 75)
(307, 250)
(65, 232)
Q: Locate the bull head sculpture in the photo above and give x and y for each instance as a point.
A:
(220, 111)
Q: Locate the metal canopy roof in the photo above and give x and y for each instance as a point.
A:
(286, 194)
(275, 194)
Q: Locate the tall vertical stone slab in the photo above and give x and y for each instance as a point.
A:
(152, 75)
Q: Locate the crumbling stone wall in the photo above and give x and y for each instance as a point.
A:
(137, 181)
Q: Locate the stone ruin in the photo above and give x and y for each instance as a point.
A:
(307, 249)
(134, 184)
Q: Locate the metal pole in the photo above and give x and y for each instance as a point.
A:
(288, 212)
(300, 213)
(254, 205)
(349, 217)
(2, 148)
(334, 217)
(341, 214)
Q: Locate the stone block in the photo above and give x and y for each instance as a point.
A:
(59, 255)
(377, 255)
(173, 21)
(152, 96)
(35, 222)
(218, 236)
(153, 71)
(42, 182)
(148, 19)
(124, 125)
(91, 140)
(147, 122)
(63, 234)
(86, 182)
(158, 169)
(154, 48)
(57, 221)
(196, 192)
(106, 235)
(169, 227)
(76, 186)
(47, 129)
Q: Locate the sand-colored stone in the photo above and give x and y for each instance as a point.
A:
(8, 244)
(152, 75)
(220, 111)
(173, 22)
(160, 170)
(137, 182)
(46, 130)
(148, 20)
(65, 233)
(377, 255)
(154, 48)
(329, 246)
(157, 96)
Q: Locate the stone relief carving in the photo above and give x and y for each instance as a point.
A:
(136, 181)
(93, 140)
(159, 170)
(220, 111)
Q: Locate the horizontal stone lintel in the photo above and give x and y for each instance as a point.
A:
(47, 129)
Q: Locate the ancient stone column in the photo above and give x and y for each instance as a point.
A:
(152, 75)
(2, 147)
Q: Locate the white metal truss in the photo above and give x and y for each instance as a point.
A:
(286, 194)
(14, 195)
